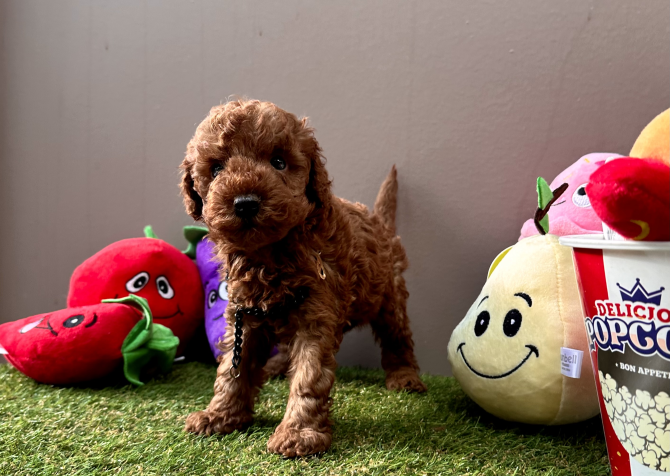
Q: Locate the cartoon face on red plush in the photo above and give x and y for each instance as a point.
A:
(149, 268)
(70, 345)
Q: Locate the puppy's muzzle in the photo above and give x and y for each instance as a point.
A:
(247, 206)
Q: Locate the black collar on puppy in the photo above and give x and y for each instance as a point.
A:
(291, 302)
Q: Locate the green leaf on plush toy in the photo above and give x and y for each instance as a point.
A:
(146, 342)
(193, 234)
(544, 197)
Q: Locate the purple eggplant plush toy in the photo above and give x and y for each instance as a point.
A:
(215, 287)
(216, 294)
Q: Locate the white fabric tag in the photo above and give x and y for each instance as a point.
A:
(571, 362)
(611, 235)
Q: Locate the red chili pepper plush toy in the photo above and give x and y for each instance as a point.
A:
(86, 343)
(150, 268)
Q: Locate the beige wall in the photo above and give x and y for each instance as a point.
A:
(471, 99)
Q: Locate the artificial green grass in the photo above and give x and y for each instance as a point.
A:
(83, 430)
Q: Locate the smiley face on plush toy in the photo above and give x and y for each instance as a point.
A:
(158, 292)
(147, 267)
(490, 332)
(506, 352)
(70, 345)
(217, 298)
(88, 342)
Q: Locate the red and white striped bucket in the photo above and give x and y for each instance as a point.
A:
(625, 292)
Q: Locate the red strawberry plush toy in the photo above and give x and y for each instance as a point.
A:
(632, 196)
(150, 268)
(86, 343)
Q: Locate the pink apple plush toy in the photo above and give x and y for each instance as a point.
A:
(573, 214)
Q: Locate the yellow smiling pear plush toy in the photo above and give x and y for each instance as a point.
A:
(521, 351)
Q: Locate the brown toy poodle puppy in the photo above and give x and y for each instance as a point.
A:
(303, 268)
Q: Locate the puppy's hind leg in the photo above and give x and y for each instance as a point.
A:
(392, 331)
(279, 363)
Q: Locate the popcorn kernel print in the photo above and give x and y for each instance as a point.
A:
(641, 422)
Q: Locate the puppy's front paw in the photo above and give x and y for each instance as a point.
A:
(405, 380)
(210, 423)
(292, 442)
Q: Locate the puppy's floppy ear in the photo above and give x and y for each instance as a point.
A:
(192, 200)
(318, 187)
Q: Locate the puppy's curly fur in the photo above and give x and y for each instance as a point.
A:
(248, 147)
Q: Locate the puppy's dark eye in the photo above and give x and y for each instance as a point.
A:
(277, 162)
(216, 168)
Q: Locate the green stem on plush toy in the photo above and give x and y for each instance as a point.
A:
(193, 234)
(140, 303)
(149, 232)
(146, 342)
(545, 199)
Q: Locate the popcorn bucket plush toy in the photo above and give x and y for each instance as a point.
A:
(624, 278)
(519, 351)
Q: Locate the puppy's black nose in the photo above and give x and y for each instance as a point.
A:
(247, 206)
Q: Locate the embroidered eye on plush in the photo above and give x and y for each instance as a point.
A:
(512, 323)
(223, 290)
(73, 321)
(482, 323)
(580, 198)
(277, 161)
(216, 169)
(164, 288)
(137, 282)
(211, 299)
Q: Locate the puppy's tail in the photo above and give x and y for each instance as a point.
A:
(387, 199)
